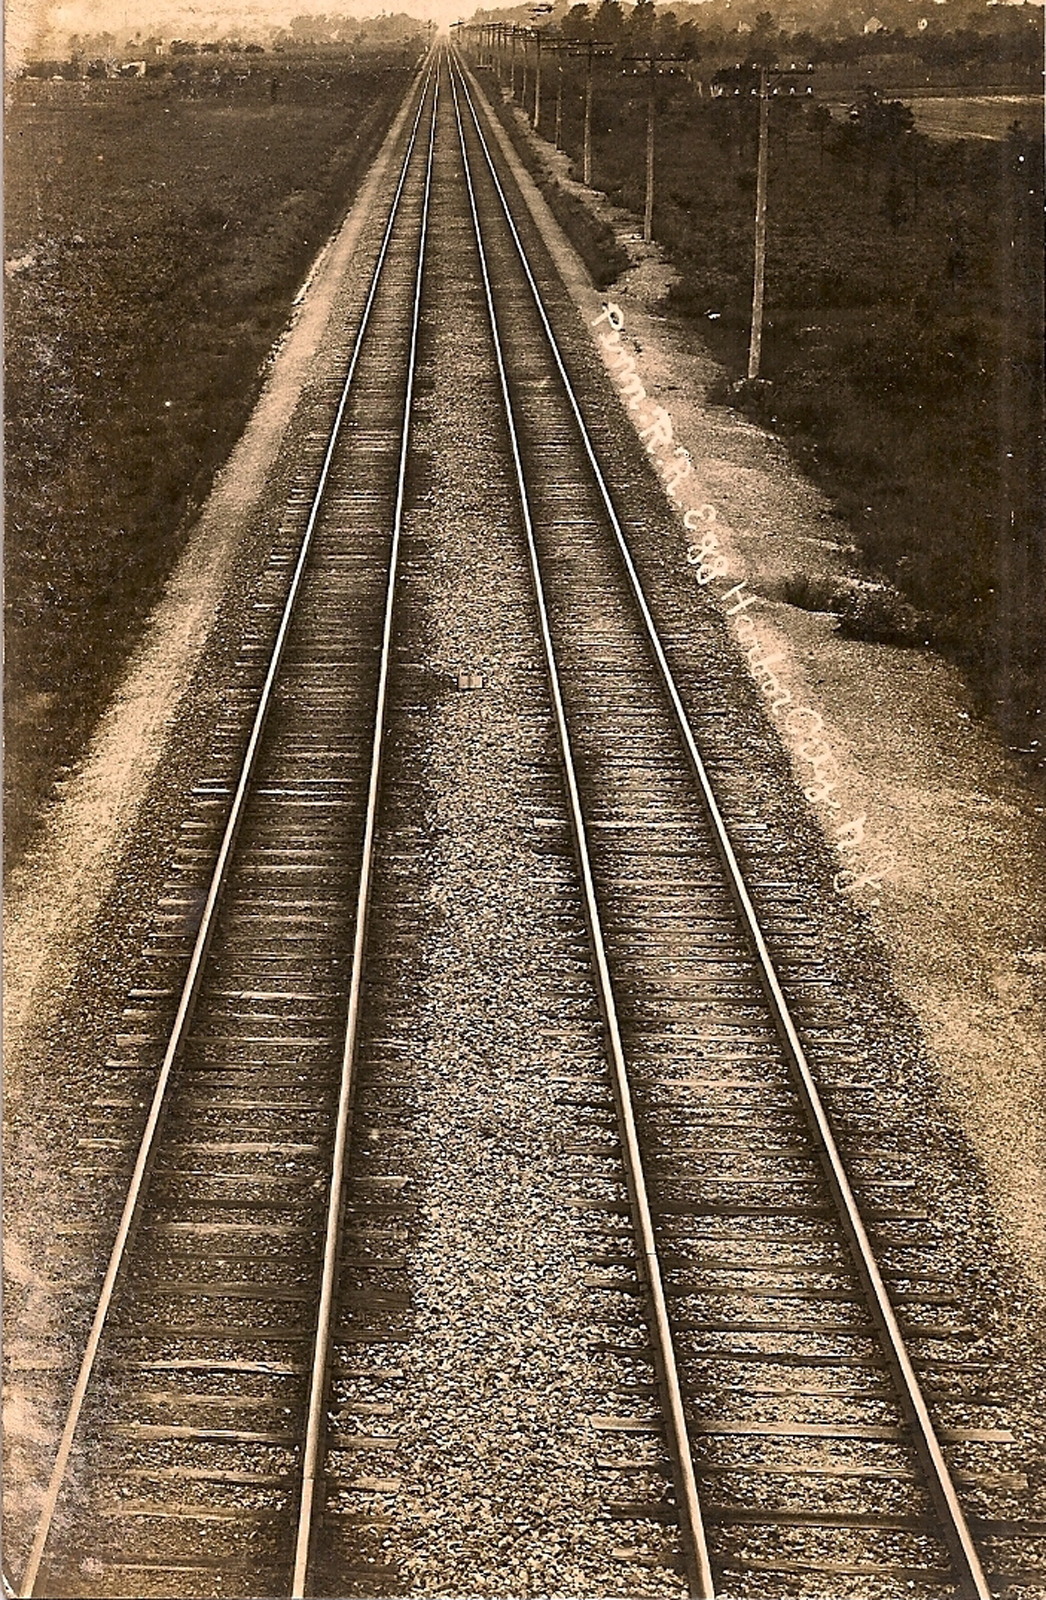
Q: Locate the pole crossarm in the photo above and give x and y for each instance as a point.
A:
(655, 60)
(745, 78)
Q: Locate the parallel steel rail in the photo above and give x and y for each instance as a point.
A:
(965, 1559)
(191, 986)
(699, 1569)
(316, 1418)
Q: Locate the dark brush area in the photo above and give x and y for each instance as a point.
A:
(157, 231)
(903, 341)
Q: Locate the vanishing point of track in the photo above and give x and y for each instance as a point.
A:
(785, 1394)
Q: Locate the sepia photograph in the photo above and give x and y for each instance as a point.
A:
(524, 800)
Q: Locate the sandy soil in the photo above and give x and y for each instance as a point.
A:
(939, 833)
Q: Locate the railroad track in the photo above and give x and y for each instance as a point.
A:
(239, 1392)
(217, 1302)
(771, 1268)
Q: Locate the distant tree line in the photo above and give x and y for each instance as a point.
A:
(842, 33)
(91, 54)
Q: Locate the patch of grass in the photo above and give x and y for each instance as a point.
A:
(870, 610)
(156, 233)
(595, 241)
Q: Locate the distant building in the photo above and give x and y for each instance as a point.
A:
(873, 25)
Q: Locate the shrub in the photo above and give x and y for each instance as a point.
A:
(875, 611)
(811, 592)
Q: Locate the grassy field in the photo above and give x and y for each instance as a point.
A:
(903, 352)
(960, 116)
(156, 233)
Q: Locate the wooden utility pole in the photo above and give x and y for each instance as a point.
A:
(513, 61)
(537, 81)
(653, 63)
(755, 344)
(559, 100)
(587, 153)
(648, 209)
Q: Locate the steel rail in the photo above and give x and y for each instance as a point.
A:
(190, 989)
(969, 1571)
(316, 1415)
(699, 1571)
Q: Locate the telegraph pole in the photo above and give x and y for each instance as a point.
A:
(587, 155)
(755, 344)
(648, 209)
(652, 63)
(559, 99)
(537, 80)
(591, 50)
